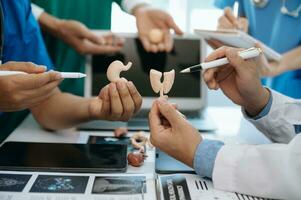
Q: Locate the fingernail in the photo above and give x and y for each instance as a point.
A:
(58, 76)
(124, 79)
(130, 84)
(162, 101)
(121, 84)
(113, 87)
(42, 67)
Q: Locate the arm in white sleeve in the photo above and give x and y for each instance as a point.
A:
(129, 5)
(282, 121)
(270, 171)
(36, 11)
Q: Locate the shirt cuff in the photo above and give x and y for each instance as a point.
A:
(129, 5)
(265, 111)
(36, 11)
(205, 156)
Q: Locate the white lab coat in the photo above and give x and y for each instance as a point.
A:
(271, 170)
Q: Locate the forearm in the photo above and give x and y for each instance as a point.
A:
(291, 60)
(131, 6)
(61, 111)
(50, 24)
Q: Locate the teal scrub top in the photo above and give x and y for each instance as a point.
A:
(280, 32)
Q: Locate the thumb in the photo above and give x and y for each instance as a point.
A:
(230, 16)
(171, 24)
(169, 113)
(27, 67)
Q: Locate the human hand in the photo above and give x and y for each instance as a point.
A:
(214, 44)
(150, 18)
(239, 80)
(172, 133)
(84, 41)
(229, 21)
(20, 92)
(116, 102)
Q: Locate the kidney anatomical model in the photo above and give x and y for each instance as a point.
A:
(162, 87)
(115, 68)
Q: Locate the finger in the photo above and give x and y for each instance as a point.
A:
(154, 117)
(126, 99)
(174, 105)
(105, 97)
(110, 39)
(34, 81)
(154, 48)
(100, 49)
(119, 41)
(92, 37)
(168, 41)
(218, 53)
(215, 44)
(27, 67)
(116, 105)
(169, 113)
(42, 91)
(161, 47)
(171, 24)
(243, 24)
(230, 16)
(146, 43)
(209, 78)
(224, 23)
(137, 98)
(234, 59)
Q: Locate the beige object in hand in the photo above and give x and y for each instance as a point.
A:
(115, 68)
(156, 35)
(162, 87)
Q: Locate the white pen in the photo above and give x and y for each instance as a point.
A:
(245, 54)
(63, 74)
(236, 13)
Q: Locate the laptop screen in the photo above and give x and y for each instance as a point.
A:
(186, 52)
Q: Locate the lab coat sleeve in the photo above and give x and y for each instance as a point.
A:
(129, 5)
(36, 11)
(279, 125)
(270, 171)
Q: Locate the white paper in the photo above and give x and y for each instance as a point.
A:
(192, 187)
(239, 39)
(79, 186)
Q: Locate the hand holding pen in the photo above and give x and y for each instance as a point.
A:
(26, 91)
(244, 54)
(239, 80)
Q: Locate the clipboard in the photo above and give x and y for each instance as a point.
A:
(237, 38)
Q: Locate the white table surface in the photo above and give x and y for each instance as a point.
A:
(227, 119)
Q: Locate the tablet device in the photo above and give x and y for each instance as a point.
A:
(166, 164)
(87, 158)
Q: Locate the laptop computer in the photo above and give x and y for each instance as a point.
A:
(188, 91)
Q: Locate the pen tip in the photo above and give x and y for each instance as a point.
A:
(185, 70)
